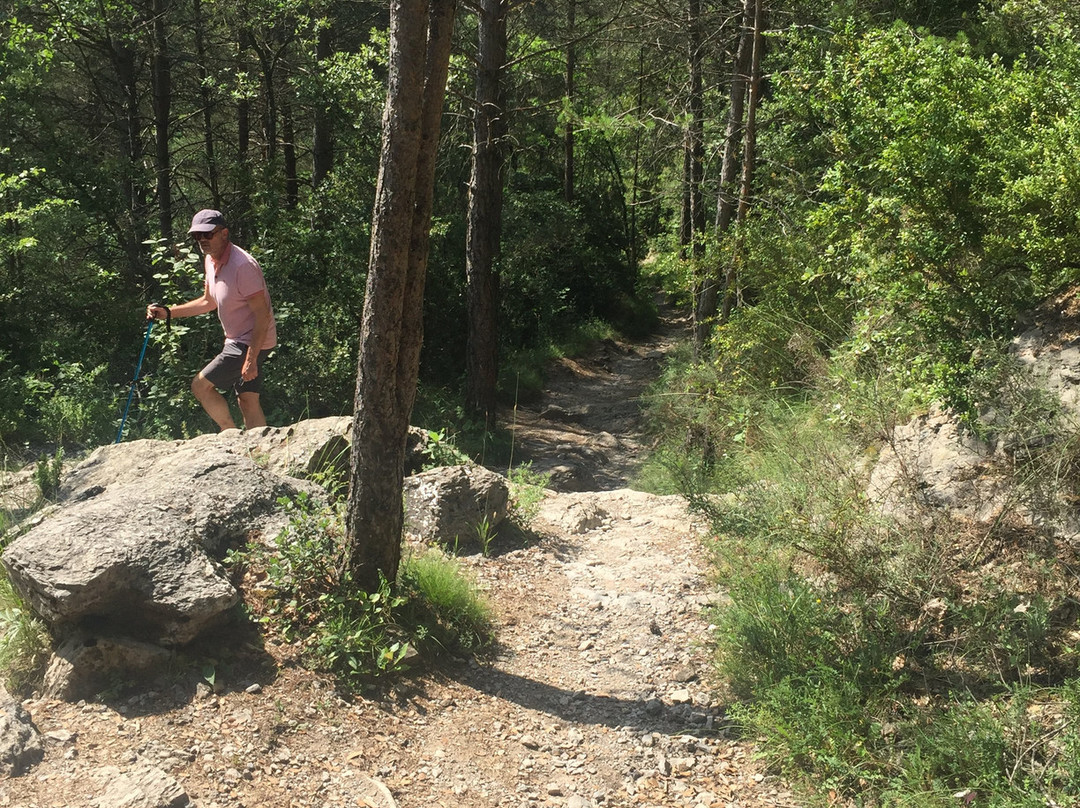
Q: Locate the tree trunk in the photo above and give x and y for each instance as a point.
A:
(322, 149)
(288, 150)
(242, 205)
(636, 180)
(746, 183)
(484, 228)
(162, 79)
(269, 91)
(695, 147)
(568, 135)
(697, 132)
(212, 179)
(390, 330)
(133, 149)
(708, 301)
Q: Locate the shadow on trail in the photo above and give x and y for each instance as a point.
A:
(574, 706)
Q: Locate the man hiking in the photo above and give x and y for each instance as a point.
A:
(235, 288)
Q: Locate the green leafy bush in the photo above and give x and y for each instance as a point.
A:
(310, 597)
(527, 490)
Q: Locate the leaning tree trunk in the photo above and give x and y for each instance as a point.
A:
(484, 229)
(390, 331)
(288, 150)
(242, 205)
(129, 129)
(692, 227)
(727, 196)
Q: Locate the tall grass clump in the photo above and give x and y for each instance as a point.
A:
(301, 590)
(444, 603)
(24, 640)
(886, 656)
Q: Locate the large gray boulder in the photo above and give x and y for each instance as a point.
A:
(455, 504)
(132, 546)
(320, 447)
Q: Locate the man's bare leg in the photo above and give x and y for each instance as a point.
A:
(213, 402)
(251, 409)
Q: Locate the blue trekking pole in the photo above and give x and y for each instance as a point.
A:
(134, 381)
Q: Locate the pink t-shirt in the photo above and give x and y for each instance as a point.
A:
(231, 284)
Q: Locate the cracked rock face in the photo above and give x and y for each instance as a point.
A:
(20, 742)
(131, 547)
(455, 503)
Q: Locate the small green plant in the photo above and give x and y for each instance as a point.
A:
(440, 450)
(527, 490)
(485, 533)
(312, 599)
(47, 475)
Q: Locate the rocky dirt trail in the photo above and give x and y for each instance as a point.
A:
(598, 695)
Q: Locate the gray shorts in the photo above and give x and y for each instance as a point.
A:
(224, 369)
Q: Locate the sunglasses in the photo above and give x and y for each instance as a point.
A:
(207, 236)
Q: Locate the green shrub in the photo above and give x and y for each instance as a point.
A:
(344, 629)
(47, 475)
(309, 597)
(868, 650)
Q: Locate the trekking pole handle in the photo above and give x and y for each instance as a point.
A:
(168, 314)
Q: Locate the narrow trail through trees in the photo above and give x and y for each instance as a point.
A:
(597, 696)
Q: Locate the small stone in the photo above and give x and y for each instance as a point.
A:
(253, 689)
(60, 736)
(529, 742)
(682, 765)
(663, 765)
(681, 696)
(654, 707)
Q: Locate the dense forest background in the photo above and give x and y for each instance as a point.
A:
(871, 177)
(854, 200)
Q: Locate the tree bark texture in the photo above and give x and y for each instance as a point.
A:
(484, 227)
(746, 183)
(206, 99)
(162, 81)
(568, 134)
(322, 149)
(727, 197)
(390, 330)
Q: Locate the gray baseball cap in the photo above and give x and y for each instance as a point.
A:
(206, 221)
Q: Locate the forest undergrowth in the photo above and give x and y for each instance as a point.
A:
(880, 661)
